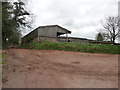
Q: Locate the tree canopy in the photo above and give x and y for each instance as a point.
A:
(99, 37)
(13, 18)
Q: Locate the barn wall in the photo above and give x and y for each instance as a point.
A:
(53, 39)
(30, 37)
(62, 40)
(58, 29)
(35, 39)
(72, 40)
(47, 31)
(43, 38)
(50, 31)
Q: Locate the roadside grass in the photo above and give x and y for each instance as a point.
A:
(3, 65)
(77, 47)
(2, 55)
(2, 62)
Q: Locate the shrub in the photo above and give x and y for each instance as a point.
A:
(78, 47)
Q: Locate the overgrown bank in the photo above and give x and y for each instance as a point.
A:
(77, 47)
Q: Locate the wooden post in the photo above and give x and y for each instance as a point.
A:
(67, 36)
(38, 38)
(58, 38)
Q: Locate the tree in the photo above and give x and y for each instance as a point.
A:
(13, 19)
(6, 23)
(99, 37)
(110, 28)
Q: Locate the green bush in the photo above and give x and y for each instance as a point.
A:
(78, 47)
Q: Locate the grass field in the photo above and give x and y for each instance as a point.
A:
(77, 47)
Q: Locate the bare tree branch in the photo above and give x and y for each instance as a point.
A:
(110, 28)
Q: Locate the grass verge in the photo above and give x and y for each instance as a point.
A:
(2, 55)
(77, 47)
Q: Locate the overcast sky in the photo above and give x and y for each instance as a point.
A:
(82, 17)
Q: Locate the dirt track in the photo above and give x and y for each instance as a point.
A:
(59, 69)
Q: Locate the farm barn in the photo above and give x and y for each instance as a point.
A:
(47, 33)
(53, 33)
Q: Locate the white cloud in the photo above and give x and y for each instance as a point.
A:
(82, 17)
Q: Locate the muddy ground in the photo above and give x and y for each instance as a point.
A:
(25, 68)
